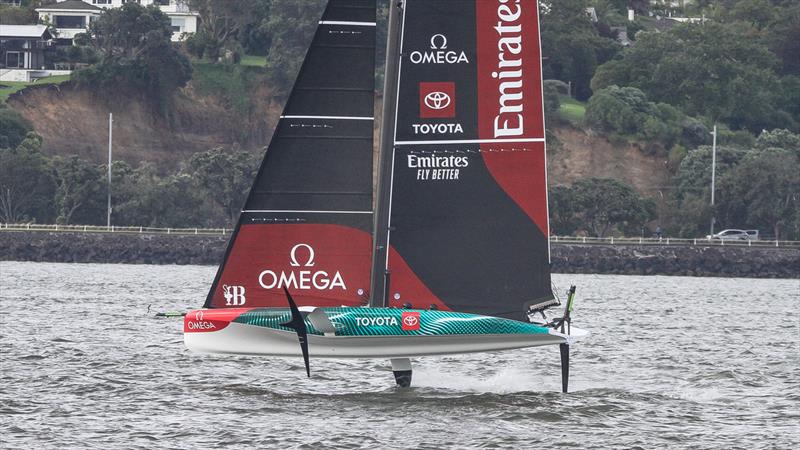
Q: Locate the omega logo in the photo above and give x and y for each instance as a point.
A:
(433, 42)
(293, 256)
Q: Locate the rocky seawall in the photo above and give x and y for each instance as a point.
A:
(756, 262)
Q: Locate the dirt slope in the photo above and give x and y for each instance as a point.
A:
(584, 155)
(75, 121)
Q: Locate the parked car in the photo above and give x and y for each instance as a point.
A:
(735, 235)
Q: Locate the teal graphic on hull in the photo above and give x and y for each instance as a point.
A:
(394, 322)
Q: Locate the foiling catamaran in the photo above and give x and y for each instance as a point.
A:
(454, 256)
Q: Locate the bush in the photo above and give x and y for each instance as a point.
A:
(626, 111)
(13, 128)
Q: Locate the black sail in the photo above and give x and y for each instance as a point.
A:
(468, 221)
(307, 222)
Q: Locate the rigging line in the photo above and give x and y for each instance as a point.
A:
(328, 117)
(469, 141)
(342, 22)
(302, 211)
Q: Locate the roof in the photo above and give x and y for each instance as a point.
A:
(23, 31)
(73, 5)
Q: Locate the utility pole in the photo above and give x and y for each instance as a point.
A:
(110, 126)
(713, 174)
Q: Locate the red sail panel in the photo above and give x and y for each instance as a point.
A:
(321, 264)
(511, 105)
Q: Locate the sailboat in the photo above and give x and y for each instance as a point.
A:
(452, 256)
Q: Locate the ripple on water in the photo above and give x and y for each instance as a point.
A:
(99, 372)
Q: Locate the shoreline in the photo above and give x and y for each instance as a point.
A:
(712, 261)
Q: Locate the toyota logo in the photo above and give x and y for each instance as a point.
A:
(410, 321)
(437, 100)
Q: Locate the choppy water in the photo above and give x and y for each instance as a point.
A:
(673, 362)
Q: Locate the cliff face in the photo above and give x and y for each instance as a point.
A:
(75, 121)
(583, 154)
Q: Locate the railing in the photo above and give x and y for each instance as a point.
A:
(111, 229)
(667, 241)
(664, 241)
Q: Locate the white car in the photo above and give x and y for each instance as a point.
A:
(735, 235)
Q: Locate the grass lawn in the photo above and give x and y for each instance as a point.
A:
(9, 87)
(254, 60)
(572, 110)
(234, 83)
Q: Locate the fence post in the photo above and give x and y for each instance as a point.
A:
(694, 241)
(584, 239)
(140, 228)
(168, 230)
(195, 231)
(223, 231)
(776, 243)
(612, 240)
(667, 241)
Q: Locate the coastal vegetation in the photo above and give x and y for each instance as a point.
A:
(652, 83)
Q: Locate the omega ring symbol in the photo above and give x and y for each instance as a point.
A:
(437, 100)
(410, 321)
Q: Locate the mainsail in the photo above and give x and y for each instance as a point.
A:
(467, 191)
(307, 222)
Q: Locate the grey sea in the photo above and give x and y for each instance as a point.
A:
(672, 363)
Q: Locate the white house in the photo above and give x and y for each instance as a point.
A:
(72, 17)
(23, 53)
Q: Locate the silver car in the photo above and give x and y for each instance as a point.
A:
(735, 235)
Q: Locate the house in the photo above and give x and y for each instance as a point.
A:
(24, 53)
(72, 17)
(69, 18)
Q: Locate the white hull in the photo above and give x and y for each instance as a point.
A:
(244, 339)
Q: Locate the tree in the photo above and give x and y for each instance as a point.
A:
(598, 205)
(572, 45)
(288, 44)
(222, 22)
(144, 198)
(762, 191)
(710, 69)
(13, 128)
(563, 216)
(627, 111)
(226, 177)
(81, 193)
(27, 183)
(136, 53)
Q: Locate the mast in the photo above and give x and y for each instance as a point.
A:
(380, 272)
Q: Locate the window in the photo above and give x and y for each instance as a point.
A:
(70, 21)
(178, 24)
(14, 60)
(101, 2)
